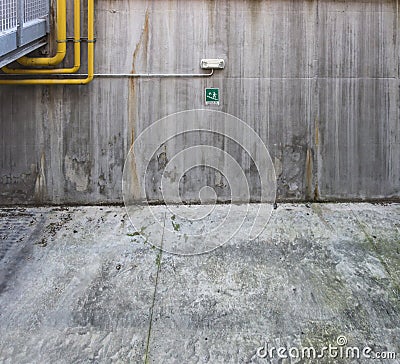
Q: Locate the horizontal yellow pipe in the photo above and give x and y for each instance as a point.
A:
(68, 81)
(61, 41)
(77, 52)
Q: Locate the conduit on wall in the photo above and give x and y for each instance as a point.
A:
(150, 75)
(67, 81)
(61, 40)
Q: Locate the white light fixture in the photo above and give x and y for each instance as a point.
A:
(212, 63)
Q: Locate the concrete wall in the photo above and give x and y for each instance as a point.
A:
(318, 80)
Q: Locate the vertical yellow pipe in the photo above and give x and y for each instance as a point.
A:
(61, 41)
(84, 81)
(77, 51)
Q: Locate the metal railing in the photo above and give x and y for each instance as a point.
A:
(8, 15)
(35, 9)
(22, 22)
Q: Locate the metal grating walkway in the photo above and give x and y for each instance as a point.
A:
(23, 24)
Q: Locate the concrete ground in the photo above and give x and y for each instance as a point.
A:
(77, 285)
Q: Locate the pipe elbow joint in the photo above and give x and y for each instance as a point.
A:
(52, 61)
(7, 70)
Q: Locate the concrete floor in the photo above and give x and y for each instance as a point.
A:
(78, 286)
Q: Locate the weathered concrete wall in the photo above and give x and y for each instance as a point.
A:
(318, 80)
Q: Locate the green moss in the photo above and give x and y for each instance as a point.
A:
(176, 226)
(158, 258)
(138, 234)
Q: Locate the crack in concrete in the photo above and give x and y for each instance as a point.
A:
(158, 262)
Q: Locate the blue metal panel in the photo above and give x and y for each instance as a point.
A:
(8, 42)
(32, 31)
(20, 51)
(22, 23)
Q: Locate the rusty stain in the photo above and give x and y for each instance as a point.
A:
(51, 47)
(133, 184)
(144, 39)
(255, 9)
(40, 184)
(309, 168)
(316, 192)
(316, 132)
(316, 189)
(132, 107)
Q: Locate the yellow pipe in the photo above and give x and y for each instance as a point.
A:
(77, 51)
(68, 81)
(61, 41)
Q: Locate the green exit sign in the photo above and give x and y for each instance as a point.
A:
(211, 96)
